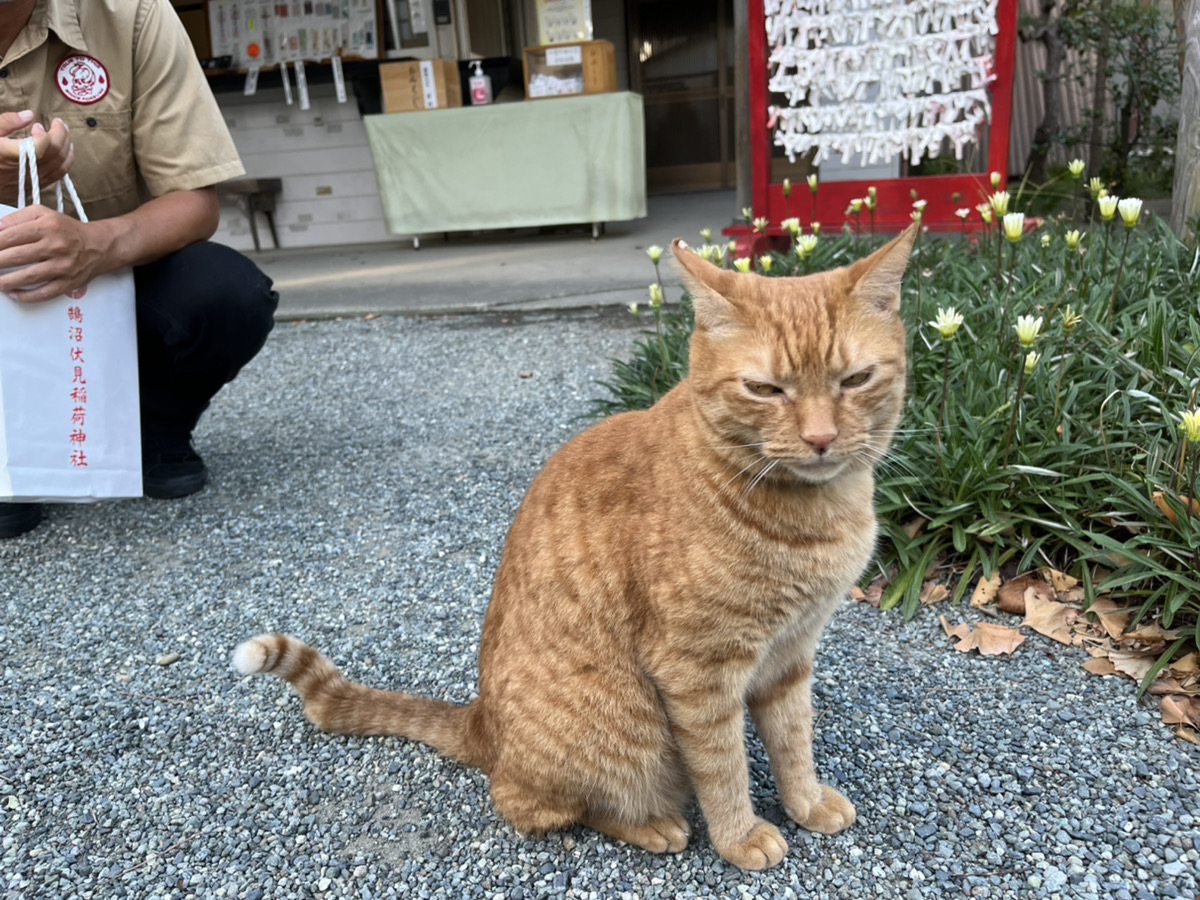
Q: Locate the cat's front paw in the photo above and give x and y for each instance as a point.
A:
(828, 814)
(762, 848)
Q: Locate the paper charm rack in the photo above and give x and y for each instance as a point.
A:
(864, 81)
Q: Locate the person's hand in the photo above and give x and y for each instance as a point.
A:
(54, 150)
(55, 254)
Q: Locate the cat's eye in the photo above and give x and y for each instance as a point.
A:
(858, 379)
(762, 388)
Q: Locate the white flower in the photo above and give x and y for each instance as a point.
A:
(633, 308)
(947, 322)
(1070, 318)
(1130, 209)
(760, 224)
(856, 205)
(656, 296)
(655, 253)
(1096, 186)
(1045, 240)
(962, 213)
(985, 212)
(806, 244)
(1108, 206)
(1031, 361)
(1028, 328)
(812, 183)
(706, 234)
(815, 227)
(1191, 426)
(787, 187)
(747, 213)
(764, 262)
(1073, 237)
(919, 205)
(995, 179)
(1014, 226)
(1075, 167)
(999, 201)
(742, 263)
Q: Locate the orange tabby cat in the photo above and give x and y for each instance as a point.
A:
(667, 569)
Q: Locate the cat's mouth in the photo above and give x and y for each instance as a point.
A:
(817, 470)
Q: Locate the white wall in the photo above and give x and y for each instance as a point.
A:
(330, 195)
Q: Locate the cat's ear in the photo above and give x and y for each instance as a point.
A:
(877, 278)
(709, 286)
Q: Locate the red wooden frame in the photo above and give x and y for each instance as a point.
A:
(943, 193)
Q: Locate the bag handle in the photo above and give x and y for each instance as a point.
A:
(28, 160)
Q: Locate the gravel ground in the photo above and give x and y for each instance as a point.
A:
(364, 473)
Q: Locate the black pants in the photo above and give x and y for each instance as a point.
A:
(203, 312)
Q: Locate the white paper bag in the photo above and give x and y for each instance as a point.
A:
(69, 416)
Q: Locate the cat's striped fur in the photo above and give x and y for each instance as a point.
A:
(670, 567)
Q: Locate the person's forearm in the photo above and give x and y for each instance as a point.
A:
(158, 227)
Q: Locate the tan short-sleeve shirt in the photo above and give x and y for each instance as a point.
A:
(124, 77)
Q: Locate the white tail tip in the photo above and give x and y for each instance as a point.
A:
(250, 657)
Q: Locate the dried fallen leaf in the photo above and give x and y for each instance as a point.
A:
(1135, 665)
(1164, 684)
(1187, 734)
(1161, 502)
(1049, 617)
(874, 592)
(1101, 665)
(1012, 593)
(988, 638)
(1060, 581)
(1112, 619)
(1151, 634)
(1073, 597)
(986, 590)
(857, 593)
(914, 526)
(960, 630)
(1180, 711)
(1186, 665)
(933, 593)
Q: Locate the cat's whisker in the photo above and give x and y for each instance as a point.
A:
(756, 445)
(746, 468)
(759, 477)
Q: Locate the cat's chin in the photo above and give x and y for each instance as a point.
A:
(818, 471)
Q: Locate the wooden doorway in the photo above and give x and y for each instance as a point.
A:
(681, 59)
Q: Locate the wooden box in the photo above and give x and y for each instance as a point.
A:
(565, 70)
(417, 85)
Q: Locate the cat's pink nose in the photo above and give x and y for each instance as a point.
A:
(820, 442)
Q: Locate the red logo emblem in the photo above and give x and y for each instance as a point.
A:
(82, 79)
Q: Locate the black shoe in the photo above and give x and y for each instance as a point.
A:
(171, 467)
(18, 518)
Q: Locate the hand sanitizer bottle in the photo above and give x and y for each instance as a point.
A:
(480, 85)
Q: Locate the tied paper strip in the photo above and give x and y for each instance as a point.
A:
(880, 79)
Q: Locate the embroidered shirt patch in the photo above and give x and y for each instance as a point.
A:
(82, 79)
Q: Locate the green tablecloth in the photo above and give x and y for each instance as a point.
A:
(511, 165)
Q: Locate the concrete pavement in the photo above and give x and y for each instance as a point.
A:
(513, 269)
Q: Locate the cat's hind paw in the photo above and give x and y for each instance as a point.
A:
(666, 834)
(828, 815)
(762, 848)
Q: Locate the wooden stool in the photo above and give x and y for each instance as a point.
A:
(260, 194)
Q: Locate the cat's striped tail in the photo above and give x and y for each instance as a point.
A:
(334, 703)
